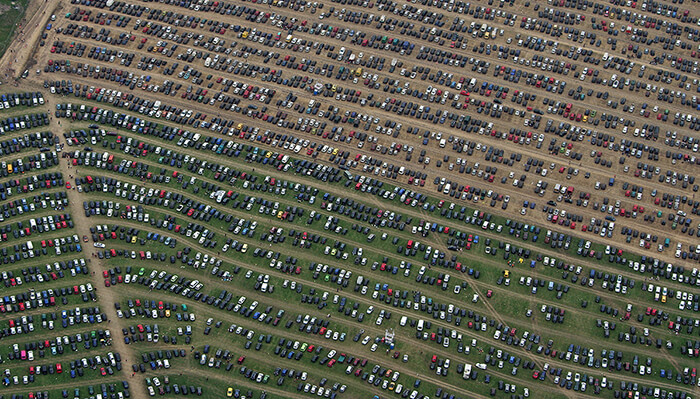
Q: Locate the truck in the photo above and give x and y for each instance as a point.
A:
(467, 371)
(288, 39)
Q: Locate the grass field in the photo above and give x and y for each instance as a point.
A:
(13, 12)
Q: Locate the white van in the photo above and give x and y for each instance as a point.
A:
(403, 321)
(421, 322)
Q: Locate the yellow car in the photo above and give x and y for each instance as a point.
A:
(506, 273)
(229, 392)
(167, 312)
(335, 151)
(133, 240)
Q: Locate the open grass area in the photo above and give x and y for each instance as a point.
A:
(13, 12)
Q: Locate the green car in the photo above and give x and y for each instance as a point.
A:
(142, 271)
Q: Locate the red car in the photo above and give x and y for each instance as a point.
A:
(535, 375)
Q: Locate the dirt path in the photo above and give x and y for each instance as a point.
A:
(26, 39)
(107, 297)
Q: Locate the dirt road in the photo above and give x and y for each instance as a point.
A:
(107, 297)
(26, 40)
